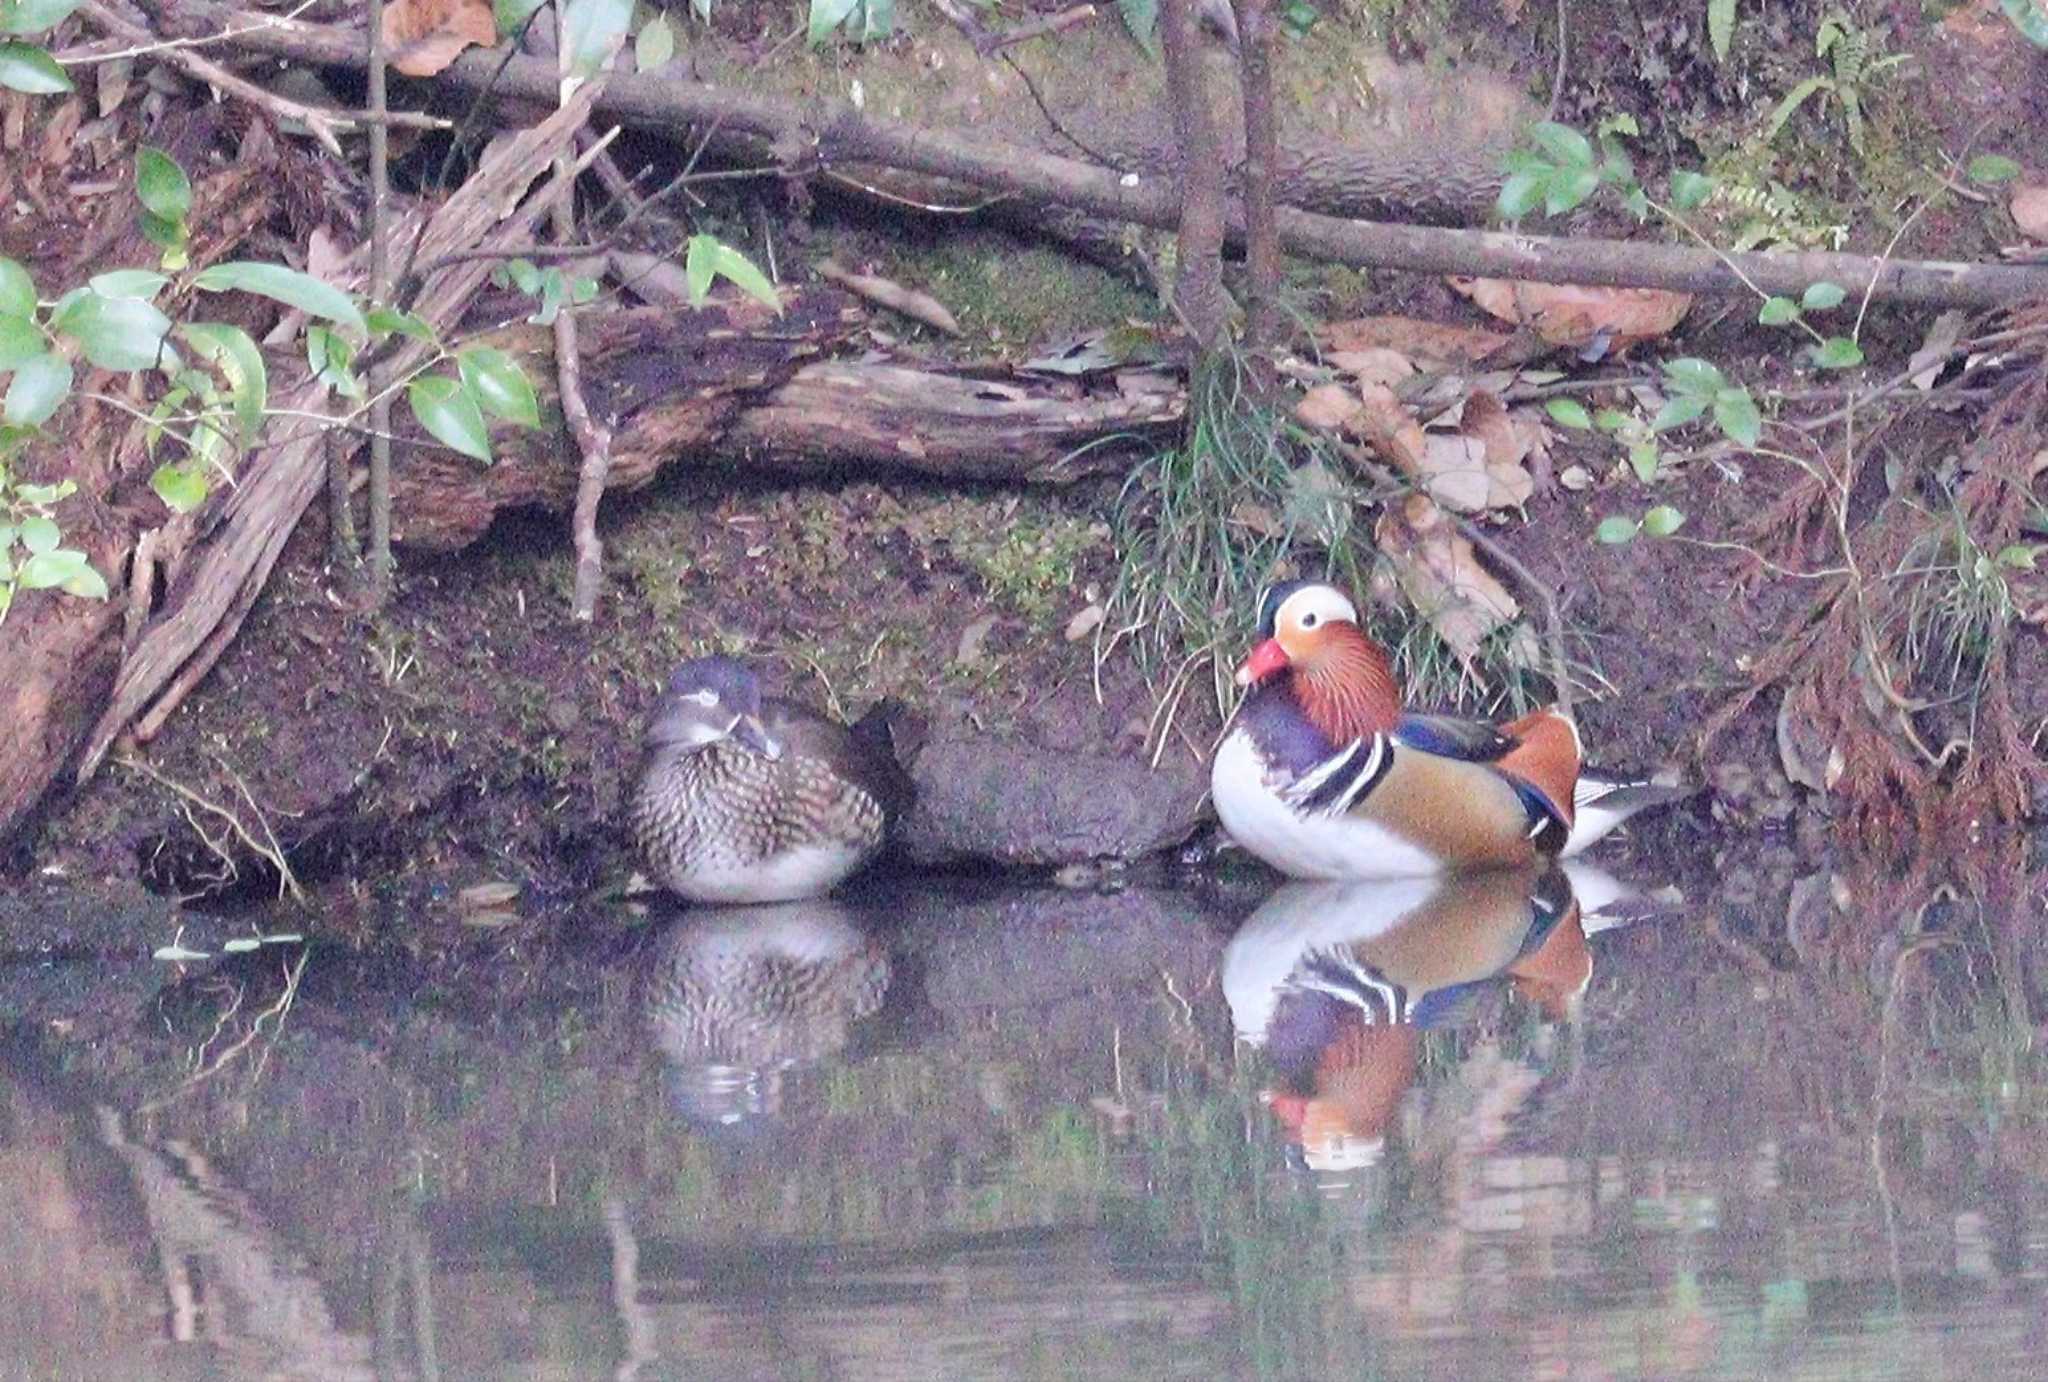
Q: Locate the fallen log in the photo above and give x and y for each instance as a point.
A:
(729, 388)
(826, 133)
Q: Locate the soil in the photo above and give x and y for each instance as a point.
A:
(471, 732)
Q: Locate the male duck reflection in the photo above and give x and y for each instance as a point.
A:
(745, 799)
(1321, 774)
(733, 997)
(1337, 980)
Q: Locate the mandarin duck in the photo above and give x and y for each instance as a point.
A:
(741, 799)
(1336, 980)
(735, 997)
(1322, 774)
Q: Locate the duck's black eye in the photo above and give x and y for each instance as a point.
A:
(1308, 621)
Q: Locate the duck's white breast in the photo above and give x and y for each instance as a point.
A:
(1303, 846)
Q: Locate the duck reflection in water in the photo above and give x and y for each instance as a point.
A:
(1337, 981)
(733, 998)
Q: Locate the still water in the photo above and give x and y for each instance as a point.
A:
(1524, 1125)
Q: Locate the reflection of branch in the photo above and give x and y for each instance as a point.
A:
(275, 1013)
(635, 1320)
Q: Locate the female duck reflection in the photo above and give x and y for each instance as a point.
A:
(734, 997)
(1337, 981)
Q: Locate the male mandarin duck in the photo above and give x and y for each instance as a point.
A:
(742, 799)
(1322, 774)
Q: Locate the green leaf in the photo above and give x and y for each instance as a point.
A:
(2029, 19)
(1720, 26)
(1663, 521)
(116, 333)
(1637, 203)
(1141, 21)
(1819, 297)
(17, 290)
(1568, 412)
(1611, 420)
(827, 15)
(39, 386)
(1617, 530)
(19, 341)
(1692, 375)
(708, 257)
(1689, 189)
(1521, 193)
(46, 569)
(45, 495)
(525, 277)
(128, 283)
(495, 381)
(1789, 107)
(1778, 311)
(229, 349)
(24, 67)
(182, 488)
(447, 411)
(2019, 555)
(592, 31)
(1738, 417)
(702, 9)
(1569, 188)
(85, 583)
(169, 236)
(329, 355)
(1645, 459)
(654, 46)
(1676, 412)
(288, 286)
(1993, 168)
(878, 20)
(1838, 352)
(34, 16)
(1565, 145)
(161, 185)
(383, 321)
(582, 289)
(39, 534)
(513, 14)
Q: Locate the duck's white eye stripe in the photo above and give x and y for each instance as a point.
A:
(707, 697)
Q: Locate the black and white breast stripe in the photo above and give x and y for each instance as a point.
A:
(1333, 786)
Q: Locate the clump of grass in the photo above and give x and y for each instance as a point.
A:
(1959, 606)
(1202, 529)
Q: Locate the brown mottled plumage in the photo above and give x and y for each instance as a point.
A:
(745, 800)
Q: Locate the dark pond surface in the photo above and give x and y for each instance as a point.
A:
(1788, 1126)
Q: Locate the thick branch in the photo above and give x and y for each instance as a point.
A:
(835, 132)
(1198, 284)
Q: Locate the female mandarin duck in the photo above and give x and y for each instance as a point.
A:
(742, 799)
(1323, 775)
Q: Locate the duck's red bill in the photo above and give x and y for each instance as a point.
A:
(1266, 659)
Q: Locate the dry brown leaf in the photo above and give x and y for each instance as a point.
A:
(1390, 429)
(884, 292)
(1486, 420)
(481, 895)
(1431, 345)
(1440, 574)
(1327, 407)
(424, 36)
(2029, 207)
(1373, 365)
(1085, 621)
(1572, 315)
(968, 651)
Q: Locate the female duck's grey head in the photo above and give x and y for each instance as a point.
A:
(711, 700)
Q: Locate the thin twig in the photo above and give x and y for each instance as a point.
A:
(1553, 620)
(592, 440)
(287, 881)
(380, 291)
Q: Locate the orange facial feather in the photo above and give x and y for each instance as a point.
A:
(1545, 755)
(1346, 685)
